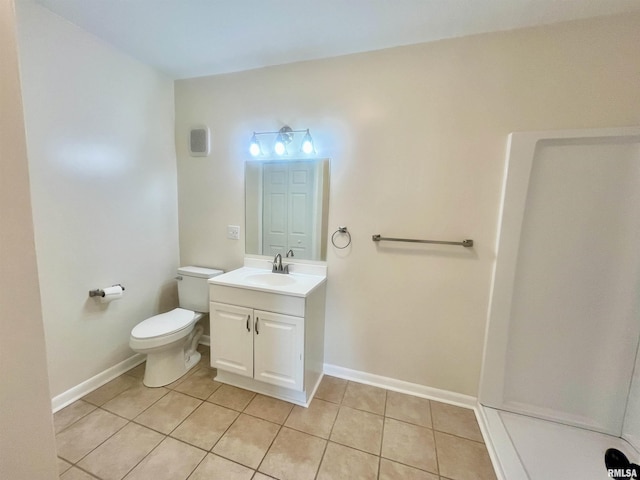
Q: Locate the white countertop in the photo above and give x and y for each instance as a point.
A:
(297, 284)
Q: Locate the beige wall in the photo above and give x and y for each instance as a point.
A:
(27, 449)
(417, 139)
(103, 181)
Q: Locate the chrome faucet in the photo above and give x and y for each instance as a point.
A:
(277, 265)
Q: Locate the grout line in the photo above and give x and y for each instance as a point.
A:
(461, 437)
(142, 459)
(256, 473)
(199, 463)
(435, 445)
(75, 464)
(354, 448)
(231, 460)
(224, 433)
(151, 451)
(327, 440)
(380, 454)
(269, 447)
(185, 419)
(116, 414)
(263, 419)
(203, 457)
(182, 441)
(234, 421)
(79, 418)
(293, 406)
(324, 451)
(384, 422)
(344, 393)
(92, 475)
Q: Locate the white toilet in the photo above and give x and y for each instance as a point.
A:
(170, 340)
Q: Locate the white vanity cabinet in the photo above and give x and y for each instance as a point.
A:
(268, 342)
(257, 344)
(278, 350)
(232, 343)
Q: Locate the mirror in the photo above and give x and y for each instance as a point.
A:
(286, 208)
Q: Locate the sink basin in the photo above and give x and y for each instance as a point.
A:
(295, 284)
(270, 279)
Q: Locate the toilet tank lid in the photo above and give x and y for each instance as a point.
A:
(201, 272)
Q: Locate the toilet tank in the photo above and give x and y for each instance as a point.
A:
(193, 289)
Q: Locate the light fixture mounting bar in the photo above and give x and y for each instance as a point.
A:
(283, 137)
(278, 131)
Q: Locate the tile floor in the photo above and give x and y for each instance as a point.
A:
(199, 429)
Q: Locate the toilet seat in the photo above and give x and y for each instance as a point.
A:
(163, 324)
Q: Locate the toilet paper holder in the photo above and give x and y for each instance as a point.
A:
(98, 292)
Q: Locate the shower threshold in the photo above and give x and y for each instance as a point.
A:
(528, 448)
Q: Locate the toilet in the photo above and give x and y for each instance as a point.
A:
(169, 339)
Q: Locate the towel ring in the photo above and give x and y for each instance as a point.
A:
(333, 238)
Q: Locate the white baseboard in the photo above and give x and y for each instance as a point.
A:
(60, 401)
(401, 386)
(287, 394)
(66, 398)
(444, 396)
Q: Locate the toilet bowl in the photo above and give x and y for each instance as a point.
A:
(170, 339)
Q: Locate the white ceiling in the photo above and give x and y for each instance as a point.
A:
(190, 38)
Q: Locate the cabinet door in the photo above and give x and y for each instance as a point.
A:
(279, 349)
(231, 338)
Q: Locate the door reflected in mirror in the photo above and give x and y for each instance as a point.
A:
(286, 208)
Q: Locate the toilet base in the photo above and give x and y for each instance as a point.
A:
(165, 367)
(193, 360)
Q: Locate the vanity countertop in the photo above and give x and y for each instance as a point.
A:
(261, 279)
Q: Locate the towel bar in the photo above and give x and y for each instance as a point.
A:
(377, 238)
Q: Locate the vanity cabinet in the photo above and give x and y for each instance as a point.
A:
(270, 343)
(257, 344)
(231, 338)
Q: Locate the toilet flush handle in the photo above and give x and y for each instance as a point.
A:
(179, 277)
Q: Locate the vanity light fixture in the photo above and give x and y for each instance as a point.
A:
(307, 144)
(284, 137)
(254, 147)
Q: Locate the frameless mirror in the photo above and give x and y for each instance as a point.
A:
(286, 207)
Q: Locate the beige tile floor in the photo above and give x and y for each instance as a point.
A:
(199, 429)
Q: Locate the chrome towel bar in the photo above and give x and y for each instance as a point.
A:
(377, 238)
